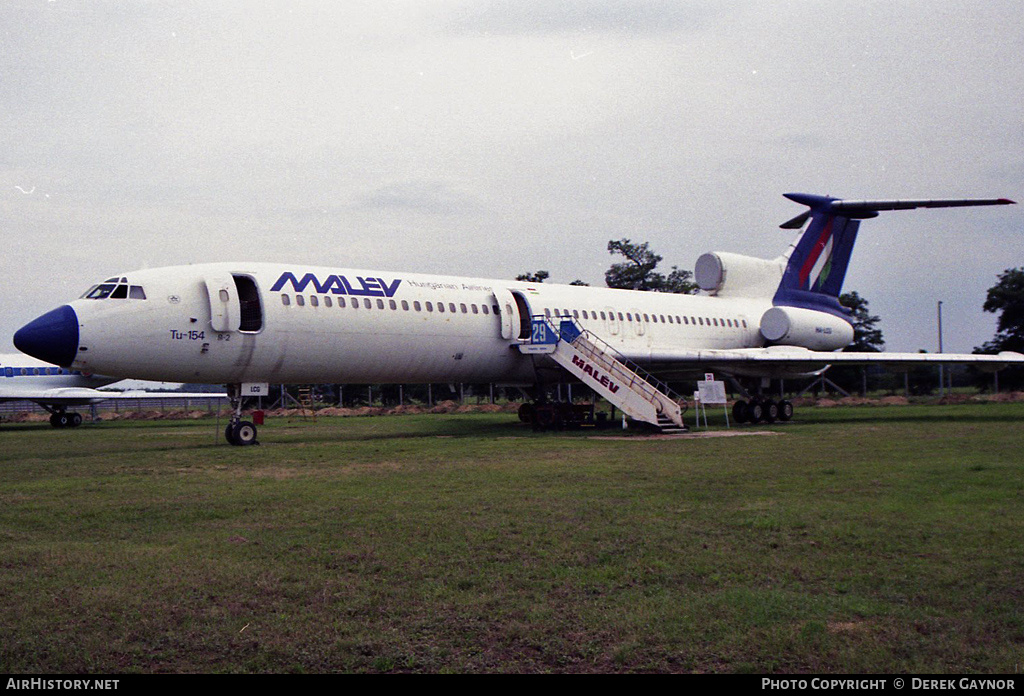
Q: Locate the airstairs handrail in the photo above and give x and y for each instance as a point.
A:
(593, 345)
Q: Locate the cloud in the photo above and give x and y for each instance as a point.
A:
(511, 17)
(422, 196)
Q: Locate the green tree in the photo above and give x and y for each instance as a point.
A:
(1006, 298)
(541, 276)
(637, 272)
(867, 337)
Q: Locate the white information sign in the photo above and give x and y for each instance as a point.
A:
(711, 392)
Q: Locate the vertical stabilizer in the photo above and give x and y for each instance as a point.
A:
(818, 261)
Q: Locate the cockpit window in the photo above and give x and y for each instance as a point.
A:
(100, 292)
(115, 289)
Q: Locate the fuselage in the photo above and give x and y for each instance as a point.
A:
(293, 323)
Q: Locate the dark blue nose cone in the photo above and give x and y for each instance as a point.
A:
(52, 337)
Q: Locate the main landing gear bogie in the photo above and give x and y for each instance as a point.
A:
(759, 410)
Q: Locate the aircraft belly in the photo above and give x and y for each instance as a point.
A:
(361, 357)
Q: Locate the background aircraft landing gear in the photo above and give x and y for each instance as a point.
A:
(238, 432)
(63, 419)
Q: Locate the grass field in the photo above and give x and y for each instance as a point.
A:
(883, 539)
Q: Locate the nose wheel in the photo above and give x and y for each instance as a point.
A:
(239, 432)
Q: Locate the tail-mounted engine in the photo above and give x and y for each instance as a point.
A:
(734, 275)
(795, 326)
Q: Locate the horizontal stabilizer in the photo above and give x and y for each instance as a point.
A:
(867, 209)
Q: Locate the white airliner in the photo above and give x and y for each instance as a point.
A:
(57, 388)
(243, 324)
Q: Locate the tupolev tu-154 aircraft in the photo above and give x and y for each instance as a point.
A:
(247, 324)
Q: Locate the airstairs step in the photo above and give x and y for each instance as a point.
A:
(670, 427)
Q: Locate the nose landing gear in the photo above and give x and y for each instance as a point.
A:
(238, 432)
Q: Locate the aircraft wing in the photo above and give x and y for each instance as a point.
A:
(783, 361)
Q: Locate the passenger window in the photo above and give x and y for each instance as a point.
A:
(486, 309)
(380, 304)
(300, 300)
(603, 316)
(392, 304)
(440, 307)
(366, 303)
(462, 306)
(416, 305)
(430, 306)
(621, 318)
(327, 301)
(314, 300)
(285, 300)
(341, 302)
(476, 310)
(405, 305)
(451, 307)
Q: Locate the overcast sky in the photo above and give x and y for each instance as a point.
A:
(491, 138)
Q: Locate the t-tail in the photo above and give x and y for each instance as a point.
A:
(817, 263)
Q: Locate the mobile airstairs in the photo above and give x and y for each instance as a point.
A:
(596, 364)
